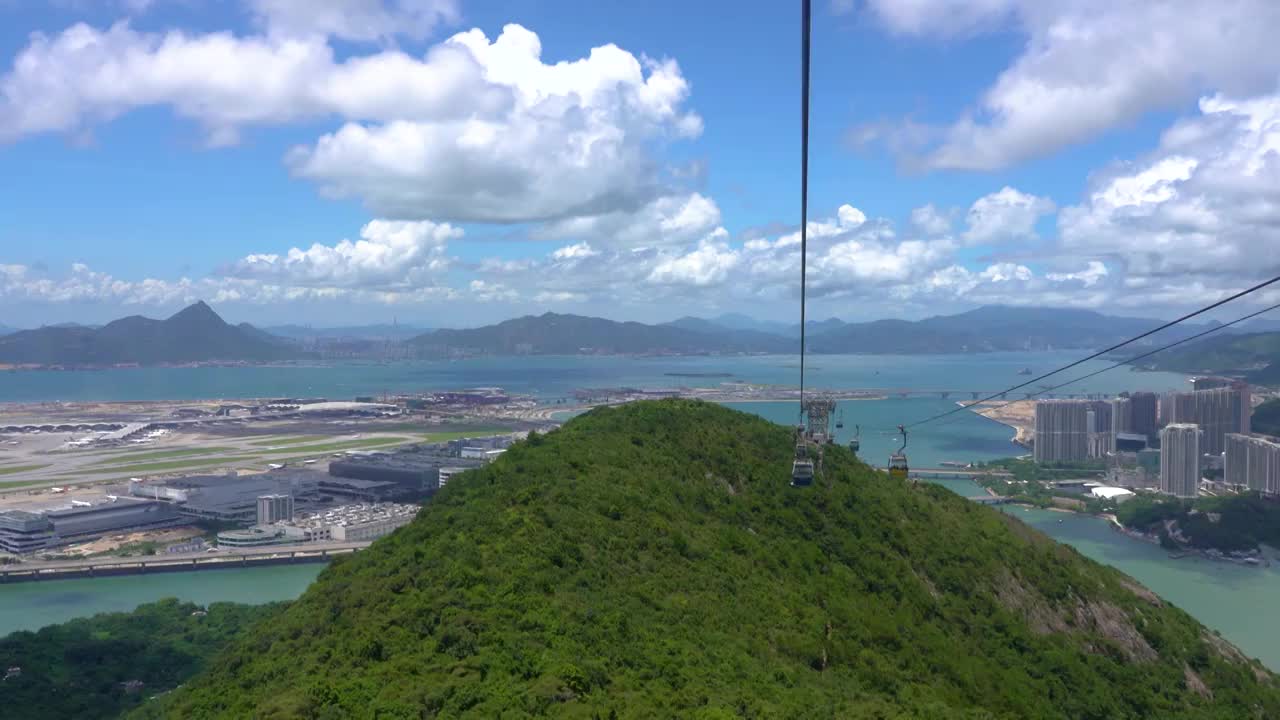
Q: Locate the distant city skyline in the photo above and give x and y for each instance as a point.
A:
(454, 163)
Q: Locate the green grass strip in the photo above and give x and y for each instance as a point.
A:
(289, 440)
(458, 434)
(12, 469)
(344, 445)
(160, 466)
(135, 457)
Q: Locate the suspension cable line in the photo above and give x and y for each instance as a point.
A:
(804, 177)
(1127, 361)
(1171, 323)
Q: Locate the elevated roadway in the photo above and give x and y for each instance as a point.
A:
(177, 562)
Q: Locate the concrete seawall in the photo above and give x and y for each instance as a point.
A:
(153, 564)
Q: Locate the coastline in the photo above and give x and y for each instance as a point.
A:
(1113, 522)
(1019, 415)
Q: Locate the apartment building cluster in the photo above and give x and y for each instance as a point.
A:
(1205, 428)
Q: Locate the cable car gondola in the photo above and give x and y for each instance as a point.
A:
(898, 461)
(840, 420)
(802, 466)
(856, 443)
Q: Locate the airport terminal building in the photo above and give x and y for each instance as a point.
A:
(26, 531)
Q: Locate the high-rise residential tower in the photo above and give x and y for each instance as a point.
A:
(1180, 460)
(1062, 431)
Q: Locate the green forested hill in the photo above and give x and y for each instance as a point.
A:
(1252, 353)
(652, 561)
(99, 667)
(1266, 418)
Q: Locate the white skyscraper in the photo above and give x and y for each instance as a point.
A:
(1217, 411)
(1180, 460)
(274, 508)
(1253, 462)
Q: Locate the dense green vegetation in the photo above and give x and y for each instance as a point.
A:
(1266, 418)
(1233, 523)
(1031, 482)
(83, 669)
(1255, 352)
(1025, 469)
(652, 560)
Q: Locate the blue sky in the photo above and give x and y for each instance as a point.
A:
(964, 153)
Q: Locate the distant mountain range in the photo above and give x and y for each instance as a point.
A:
(556, 334)
(195, 334)
(986, 329)
(353, 332)
(1253, 355)
(199, 334)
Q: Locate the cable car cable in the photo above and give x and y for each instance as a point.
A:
(1104, 351)
(803, 467)
(1129, 361)
(804, 177)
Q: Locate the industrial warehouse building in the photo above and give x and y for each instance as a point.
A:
(412, 473)
(23, 531)
(232, 498)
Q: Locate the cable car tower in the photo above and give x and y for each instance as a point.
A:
(812, 435)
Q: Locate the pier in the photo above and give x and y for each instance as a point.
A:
(184, 562)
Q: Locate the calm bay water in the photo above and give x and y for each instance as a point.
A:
(557, 376)
(1225, 597)
(961, 437)
(32, 605)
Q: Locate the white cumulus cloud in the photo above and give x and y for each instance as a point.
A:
(1203, 203)
(1089, 66)
(1005, 215)
(389, 254)
(474, 129)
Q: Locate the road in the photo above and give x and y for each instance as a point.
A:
(89, 567)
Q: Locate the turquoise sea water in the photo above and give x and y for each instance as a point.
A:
(553, 377)
(962, 437)
(32, 605)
